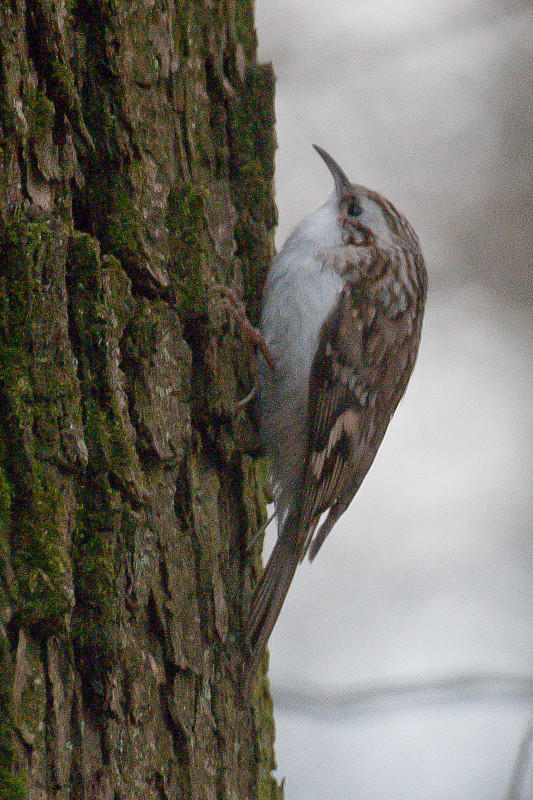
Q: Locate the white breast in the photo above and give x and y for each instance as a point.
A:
(299, 294)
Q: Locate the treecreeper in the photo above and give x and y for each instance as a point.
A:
(341, 320)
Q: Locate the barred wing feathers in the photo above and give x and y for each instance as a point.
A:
(365, 356)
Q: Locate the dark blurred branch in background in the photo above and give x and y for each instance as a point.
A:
(375, 698)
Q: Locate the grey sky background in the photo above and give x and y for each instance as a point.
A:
(430, 572)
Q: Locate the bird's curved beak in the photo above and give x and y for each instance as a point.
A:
(342, 184)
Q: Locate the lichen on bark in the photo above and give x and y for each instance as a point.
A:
(137, 149)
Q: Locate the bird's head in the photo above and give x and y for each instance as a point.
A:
(364, 216)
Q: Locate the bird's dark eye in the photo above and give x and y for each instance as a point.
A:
(353, 209)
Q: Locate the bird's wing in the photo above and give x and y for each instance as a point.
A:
(359, 373)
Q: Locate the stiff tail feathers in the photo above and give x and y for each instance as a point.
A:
(336, 511)
(270, 593)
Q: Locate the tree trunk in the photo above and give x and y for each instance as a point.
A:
(136, 167)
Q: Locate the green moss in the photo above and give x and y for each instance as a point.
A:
(244, 26)
(251, 121)
(188, 243)
(40, 561)
(112, 450)
(8, 783)
(6, 499)
(95, 653)
(121, 229)
(52, 63)
(254, 485)
(30, 492)
(119, 292)
(94, 551)
(94, 555)
(83, 262)
(12, 787)
(40, 112)
(29, 497)
(101, 307)
(107, 10)
(19, 244)
(64, 85)
(114, 216)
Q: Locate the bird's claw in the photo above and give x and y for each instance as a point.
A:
(235, 306)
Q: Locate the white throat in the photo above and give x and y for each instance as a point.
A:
(320, 229)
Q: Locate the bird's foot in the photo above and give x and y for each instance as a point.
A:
(245, 400)
(236, 307)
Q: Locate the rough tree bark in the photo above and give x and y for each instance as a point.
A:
(136, 173)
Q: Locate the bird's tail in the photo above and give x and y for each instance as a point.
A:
(271, 591)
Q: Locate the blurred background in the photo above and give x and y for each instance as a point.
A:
(402, 663)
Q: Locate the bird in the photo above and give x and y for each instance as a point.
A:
(341, 319)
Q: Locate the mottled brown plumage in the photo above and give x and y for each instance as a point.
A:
(340, 368)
